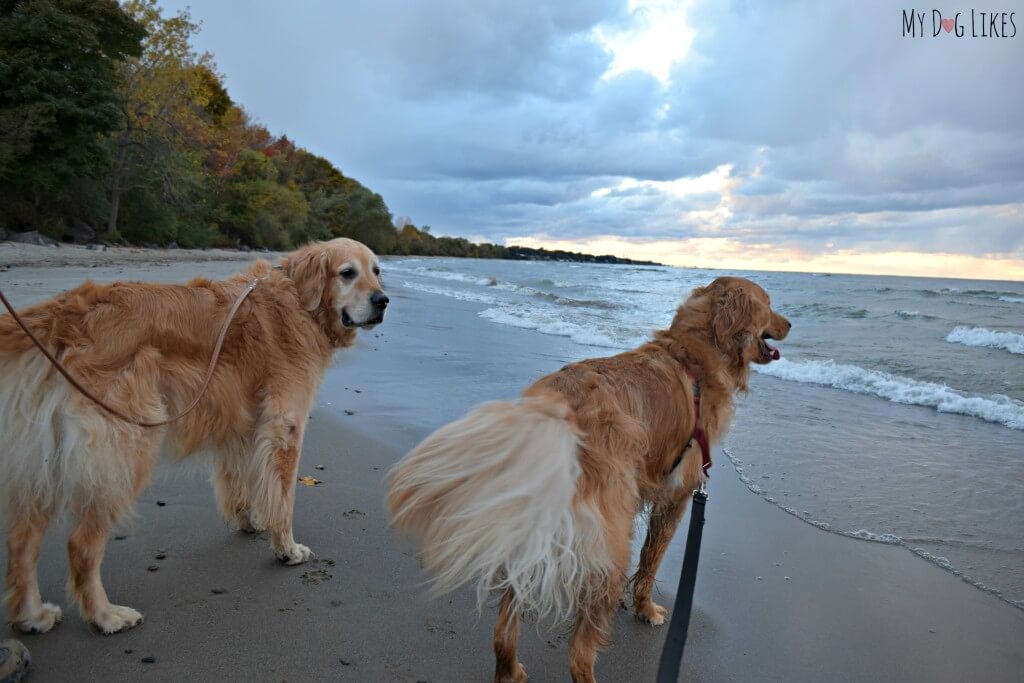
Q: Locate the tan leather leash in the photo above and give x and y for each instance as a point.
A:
(85, 392)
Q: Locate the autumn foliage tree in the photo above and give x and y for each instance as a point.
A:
(113, 127)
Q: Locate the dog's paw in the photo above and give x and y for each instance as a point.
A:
(518, 676)
(115, 618)
(651, 613)
(244, 524)
(294, 554)
(47, 617)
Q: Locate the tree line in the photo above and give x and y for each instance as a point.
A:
(113, 128)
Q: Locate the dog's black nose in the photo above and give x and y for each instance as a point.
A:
(380, 300)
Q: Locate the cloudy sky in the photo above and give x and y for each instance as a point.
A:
(782, 135)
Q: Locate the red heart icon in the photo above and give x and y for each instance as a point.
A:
(948, 24)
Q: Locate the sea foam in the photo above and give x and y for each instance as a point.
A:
(553, 323)
(980, 336)
(452, 293)
(996, 408)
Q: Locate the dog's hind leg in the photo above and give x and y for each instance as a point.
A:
(85, 554)
(232, 491)
(660, 528)
(507, 668)
(122, 461)
(593, 625)
(598, 603)
(25, 607)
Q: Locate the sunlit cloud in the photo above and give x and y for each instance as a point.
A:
(656, 38)
(694, 130)
(716, 181)
(724, 253)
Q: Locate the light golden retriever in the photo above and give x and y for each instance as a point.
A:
(144, 349)
(537, 498)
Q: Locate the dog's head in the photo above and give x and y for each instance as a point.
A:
(738, 317)
(339, 281)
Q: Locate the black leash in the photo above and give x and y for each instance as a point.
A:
(675, 640)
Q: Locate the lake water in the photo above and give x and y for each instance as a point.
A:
(896, 414)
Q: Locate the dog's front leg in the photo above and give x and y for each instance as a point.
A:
(279, 444)
(660, 529)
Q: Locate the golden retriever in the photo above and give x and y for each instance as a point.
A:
(143, 349)
(536, 499)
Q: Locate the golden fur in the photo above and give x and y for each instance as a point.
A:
(537, 499)
(144, 349)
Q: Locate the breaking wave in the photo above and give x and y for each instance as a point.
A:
(980, 336)
(996, 408)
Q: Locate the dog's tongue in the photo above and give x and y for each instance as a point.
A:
(774, 351)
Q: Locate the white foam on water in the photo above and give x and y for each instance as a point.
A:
(980, 336)
(443, 275)
(549, 322)
(454, 277)
(866, 535)
(1012, 299)
(995, 408)
(910, 315)
(452, 293)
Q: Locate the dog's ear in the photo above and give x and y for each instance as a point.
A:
(731, 314)
(308, 269)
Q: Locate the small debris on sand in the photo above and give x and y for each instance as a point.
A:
(160, 503)
(309, 481)
(148, 660)
(152, 568)
(161, 556)
(218, 591)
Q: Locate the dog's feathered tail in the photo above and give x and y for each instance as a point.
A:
(492, 499)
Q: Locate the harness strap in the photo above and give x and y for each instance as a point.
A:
(698, 432)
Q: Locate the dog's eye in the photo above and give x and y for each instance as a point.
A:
(348, 273)
(376, 270)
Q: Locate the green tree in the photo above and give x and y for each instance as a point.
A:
(163, 97)
(256, 210)
(58, 80)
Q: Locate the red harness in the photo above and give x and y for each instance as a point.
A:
(698, 432)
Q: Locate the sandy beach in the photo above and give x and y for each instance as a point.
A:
(776, 599)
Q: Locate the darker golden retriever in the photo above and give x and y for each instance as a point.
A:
(536, 499)
(143, 349)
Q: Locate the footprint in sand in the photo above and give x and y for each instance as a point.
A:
(314, 577)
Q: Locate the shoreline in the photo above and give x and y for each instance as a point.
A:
(62, 254)
(15, 254)
(776, 600)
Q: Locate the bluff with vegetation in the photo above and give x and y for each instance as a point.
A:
(113, 128)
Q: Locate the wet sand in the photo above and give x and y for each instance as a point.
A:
(776, 600)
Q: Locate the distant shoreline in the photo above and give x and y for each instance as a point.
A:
(14, 254)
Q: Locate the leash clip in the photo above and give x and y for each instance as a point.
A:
(701, 491)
